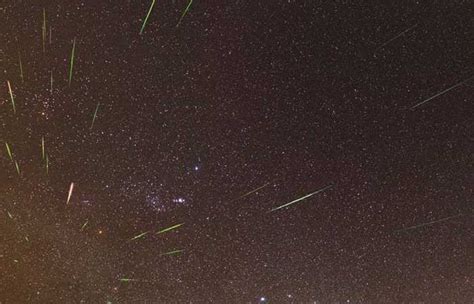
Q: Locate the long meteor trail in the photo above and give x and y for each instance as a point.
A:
(429, 223)
(185, 12)
(301, 198)
(440, 93)
(397, 36)
(147, 15)
(71, 63)
(170, 228)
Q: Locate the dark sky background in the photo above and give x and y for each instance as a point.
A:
(285, 96)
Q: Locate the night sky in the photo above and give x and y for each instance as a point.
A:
(216, 121)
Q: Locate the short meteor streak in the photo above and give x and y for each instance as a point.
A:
(11, 96)
(42, 148)
(71, 187)
(47, 164)
(9, 151)
(174, 252)
(141, 235)
(170, 228)
(301, 198)
(17, 168)
(429, 223)
(21, 68)
(185, 12)
(126, 280)
(10, 215)
(95, 115)
(51, 82)
(71, 65)
(440, 93)
(84, 225)
(250, 192)
(147, 15)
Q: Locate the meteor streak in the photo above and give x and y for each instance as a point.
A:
(147, 15)
(440, 93)
(250, 192)
(390, 40)
(174, 252)
(170, 228)
(11, 96)
(95, 115)
(139, 236)
(42, 147)
(43, 30)
(71, 187)
(185, 12)
(72, 60)
(47, 164)
(429, 223)
(127, 280)
(21, 68)
(9, 151)
(17, 167)
(301, 198)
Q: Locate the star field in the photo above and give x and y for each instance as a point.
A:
(208, 124)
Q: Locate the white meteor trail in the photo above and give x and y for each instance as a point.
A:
(301, 198)
(429, 223)
(440, 93)
(70, 193)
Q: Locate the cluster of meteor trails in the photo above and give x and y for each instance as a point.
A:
(145, 234)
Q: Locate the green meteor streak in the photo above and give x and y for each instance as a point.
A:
(72, 61)
(17, 167)
(185, 12)
(250, 192)
(84, 225)
(301, 198)
(9, 151)
(139, 236)
(174, 252)
(147, 15)
(95, 115)
(127, 280)
(170, 228)
(47, 164)
(11, 96)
